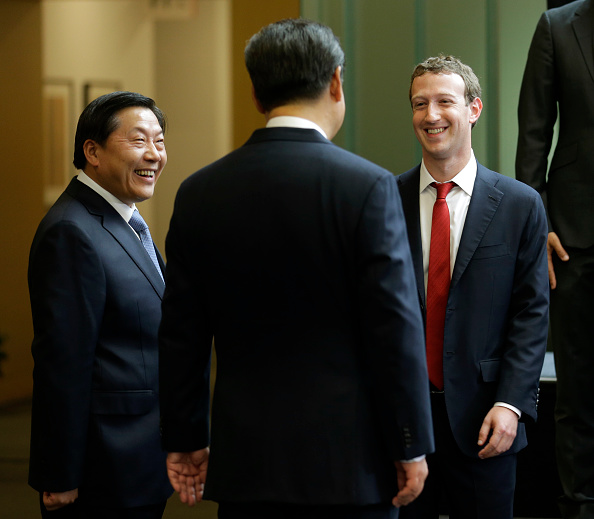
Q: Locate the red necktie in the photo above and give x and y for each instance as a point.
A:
(438, 283)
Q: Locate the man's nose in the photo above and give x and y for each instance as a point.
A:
(152, 153)
(433, 112)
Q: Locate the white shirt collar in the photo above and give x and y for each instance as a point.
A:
(123, 209)
(291, 121)
(464, 179)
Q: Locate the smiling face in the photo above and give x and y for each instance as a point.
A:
(443, 121)
(132, 158)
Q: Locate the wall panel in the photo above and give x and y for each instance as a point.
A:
(385, 39)
(21, 205)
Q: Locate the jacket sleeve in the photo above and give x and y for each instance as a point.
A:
(527, 329)
(67, 291)
(392, 324)
(185, 345)
(537, 110)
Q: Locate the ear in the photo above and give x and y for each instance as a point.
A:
(476, 107)
(336, 85)
(256, 101)
(90, 148)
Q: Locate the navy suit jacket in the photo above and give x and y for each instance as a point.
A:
(96, 305)
(559, 75)
(497, 312)
(292, 253)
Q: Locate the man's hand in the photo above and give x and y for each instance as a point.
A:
(187, 474)
(55, 500)
(554, 245)
(411, 480)
(503, 423)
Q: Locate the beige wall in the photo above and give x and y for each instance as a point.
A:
(21, 190)
(117, 48)
(246, 21)
(193, 83)
(192, 65)
(40, 42)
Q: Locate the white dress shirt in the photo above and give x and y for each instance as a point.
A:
(290, 121)
(458, 200)
(123, 209)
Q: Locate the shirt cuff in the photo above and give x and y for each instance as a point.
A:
(414, 460)
(510, 407)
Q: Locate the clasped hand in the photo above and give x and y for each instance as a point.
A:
(411, 480)
(187, 474)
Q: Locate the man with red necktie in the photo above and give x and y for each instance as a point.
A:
(478, 242)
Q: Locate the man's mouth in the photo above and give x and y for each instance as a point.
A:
(148, 173)
(433, 131)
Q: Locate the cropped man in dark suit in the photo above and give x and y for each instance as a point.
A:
(96, 303)
(486, 340)
(559, 78)
(292, 254)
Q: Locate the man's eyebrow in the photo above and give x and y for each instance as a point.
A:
(144, 129)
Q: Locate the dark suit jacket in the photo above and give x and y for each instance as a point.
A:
(96, 304)
(292, 253)
(497, 312)
(560, 69)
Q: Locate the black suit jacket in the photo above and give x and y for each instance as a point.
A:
(96, 304)
(292, 253)
(560, 73)
(497, 312)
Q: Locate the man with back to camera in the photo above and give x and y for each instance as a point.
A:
(292, 254)
(96, 303)
(558, 82)
(478, 243)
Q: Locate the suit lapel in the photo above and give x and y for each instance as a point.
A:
(409, 193)
(483, 206)
(127, 238)
(583, 27)
(123, 234)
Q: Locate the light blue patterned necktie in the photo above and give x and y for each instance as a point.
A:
(139, 225)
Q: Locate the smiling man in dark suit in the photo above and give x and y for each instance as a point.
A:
(559, 83)
(486, 317)
(291, 252)
(96, 288)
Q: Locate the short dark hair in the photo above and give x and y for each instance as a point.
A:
(292, 60)
(100, 118)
